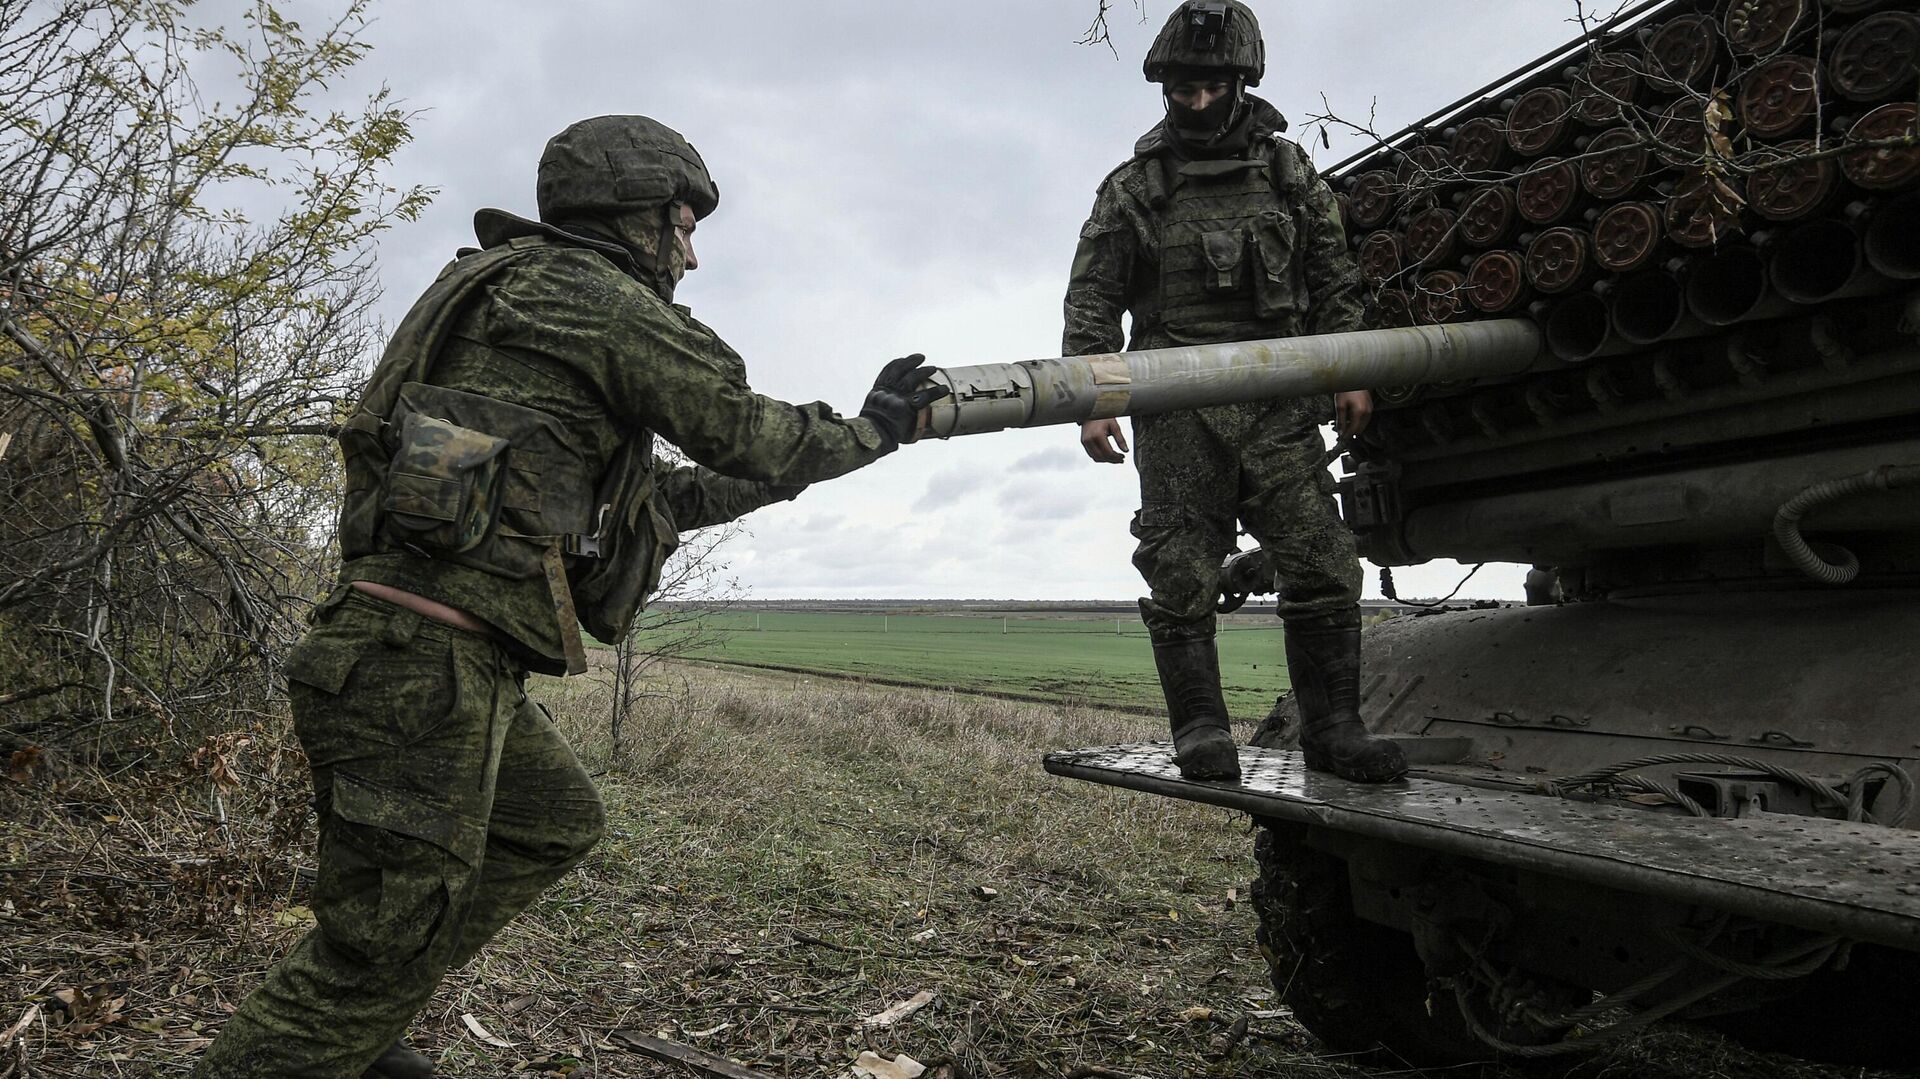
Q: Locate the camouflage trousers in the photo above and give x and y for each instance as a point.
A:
(447, 802)
(1260, 464)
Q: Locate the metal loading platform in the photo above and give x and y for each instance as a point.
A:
(1852, 880)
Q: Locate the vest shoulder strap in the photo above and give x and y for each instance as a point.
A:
(417, 341)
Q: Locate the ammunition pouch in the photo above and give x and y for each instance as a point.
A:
(1277, 290)
(1226, 255)
(443, 484)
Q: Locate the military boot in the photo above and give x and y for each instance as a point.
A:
(400, 1062)
(1202, 739)
(1323, 659)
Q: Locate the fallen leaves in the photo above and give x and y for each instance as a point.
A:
(294, 918)
(218, 757)
(88, 1012)
(482, 1034)
(899, 1011)
(1222, 1045)
(707, 1033)
(553, 1066)
(871, 1065)
(21, 765)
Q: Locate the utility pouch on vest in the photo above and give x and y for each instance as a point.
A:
(1276, 285)
(1226, 255)
(442, 492)
(484, 482)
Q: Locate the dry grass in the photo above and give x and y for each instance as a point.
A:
(788, 857)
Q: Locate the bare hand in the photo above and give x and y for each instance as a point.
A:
(1098, 438)
(1352, 411)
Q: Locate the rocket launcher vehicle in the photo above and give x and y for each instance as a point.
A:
(1644, 322)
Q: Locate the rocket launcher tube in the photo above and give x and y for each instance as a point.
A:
(1073, 389)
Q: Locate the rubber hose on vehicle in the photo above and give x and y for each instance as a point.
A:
(1786, 521)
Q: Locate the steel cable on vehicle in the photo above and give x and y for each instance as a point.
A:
(1853, 799)
(1794, 961)
(1766, 972)
(1791, 956)
(1618, 999)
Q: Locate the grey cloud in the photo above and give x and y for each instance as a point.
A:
(1054, 460)
(948, 486)
(1044, 501)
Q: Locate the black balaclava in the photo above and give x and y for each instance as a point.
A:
(1217, 129)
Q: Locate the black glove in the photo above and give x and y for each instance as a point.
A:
(896, 400)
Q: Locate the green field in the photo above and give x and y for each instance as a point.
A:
(1065, 657)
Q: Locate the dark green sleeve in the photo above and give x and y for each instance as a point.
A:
(700, 497)
(658, 368)
(684, 382)
(1102, 271)
(1335, 301)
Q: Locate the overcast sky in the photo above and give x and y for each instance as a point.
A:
(896, 177)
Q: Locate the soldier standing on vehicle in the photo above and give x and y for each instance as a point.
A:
(502, 492)
(1217, 229)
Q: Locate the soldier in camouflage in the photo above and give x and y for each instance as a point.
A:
(501, 492)
(1217, 229)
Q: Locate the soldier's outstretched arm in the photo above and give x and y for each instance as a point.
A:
(662, 370)
(699, 497)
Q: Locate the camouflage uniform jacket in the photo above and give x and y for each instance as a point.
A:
(1117, 265)
(570, 332)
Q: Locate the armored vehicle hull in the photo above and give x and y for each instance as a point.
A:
(1683, 806)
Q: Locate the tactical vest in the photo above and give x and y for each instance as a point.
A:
(494, 486)
(1229, 244)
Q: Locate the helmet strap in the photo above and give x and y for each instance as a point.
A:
(669, 261)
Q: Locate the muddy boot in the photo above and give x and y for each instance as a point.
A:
(1323, 658)
(400, 1062)
(1202, 740)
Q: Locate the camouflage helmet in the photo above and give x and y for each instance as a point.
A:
(1209, 34)
(611, 166)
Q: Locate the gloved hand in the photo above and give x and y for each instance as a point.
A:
(895, 402)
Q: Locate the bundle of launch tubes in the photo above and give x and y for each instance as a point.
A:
(1689, 167)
